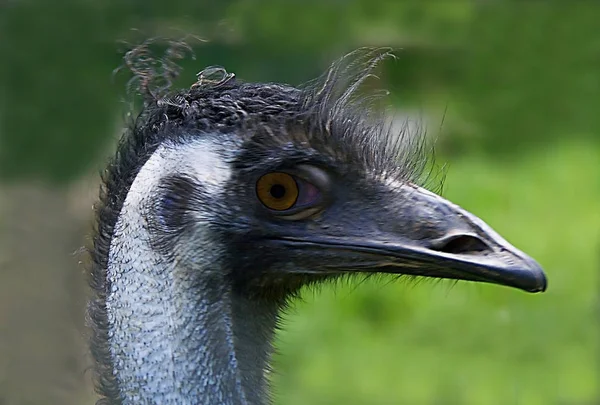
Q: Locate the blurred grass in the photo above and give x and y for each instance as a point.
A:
(434, 343)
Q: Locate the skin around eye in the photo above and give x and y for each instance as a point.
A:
(277, 191)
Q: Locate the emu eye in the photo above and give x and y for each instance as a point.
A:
(280, 191)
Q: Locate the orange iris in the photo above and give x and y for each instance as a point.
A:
(277, 191)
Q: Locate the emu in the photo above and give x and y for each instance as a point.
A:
(225, 199)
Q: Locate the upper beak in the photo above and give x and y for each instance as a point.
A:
(431, 237)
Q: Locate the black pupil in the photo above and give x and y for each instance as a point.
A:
(277, 191)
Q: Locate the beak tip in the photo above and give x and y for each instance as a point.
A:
(538, 277)
(542, 282)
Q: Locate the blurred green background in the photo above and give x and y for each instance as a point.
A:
(517, 86)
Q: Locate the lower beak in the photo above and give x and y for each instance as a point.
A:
(393, 258)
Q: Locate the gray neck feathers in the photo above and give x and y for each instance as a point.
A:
(178, 333)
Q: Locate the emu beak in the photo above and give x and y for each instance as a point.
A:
(459, 245)
(425, 235)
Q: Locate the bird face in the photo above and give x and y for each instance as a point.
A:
(317, 213)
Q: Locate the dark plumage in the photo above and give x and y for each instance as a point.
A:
(207, 230)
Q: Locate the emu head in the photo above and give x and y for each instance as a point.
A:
(310, 184)
(225, 199)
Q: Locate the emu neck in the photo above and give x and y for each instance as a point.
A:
(178, 333)
(172, 344)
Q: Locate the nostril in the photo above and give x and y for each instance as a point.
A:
(461, 244)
